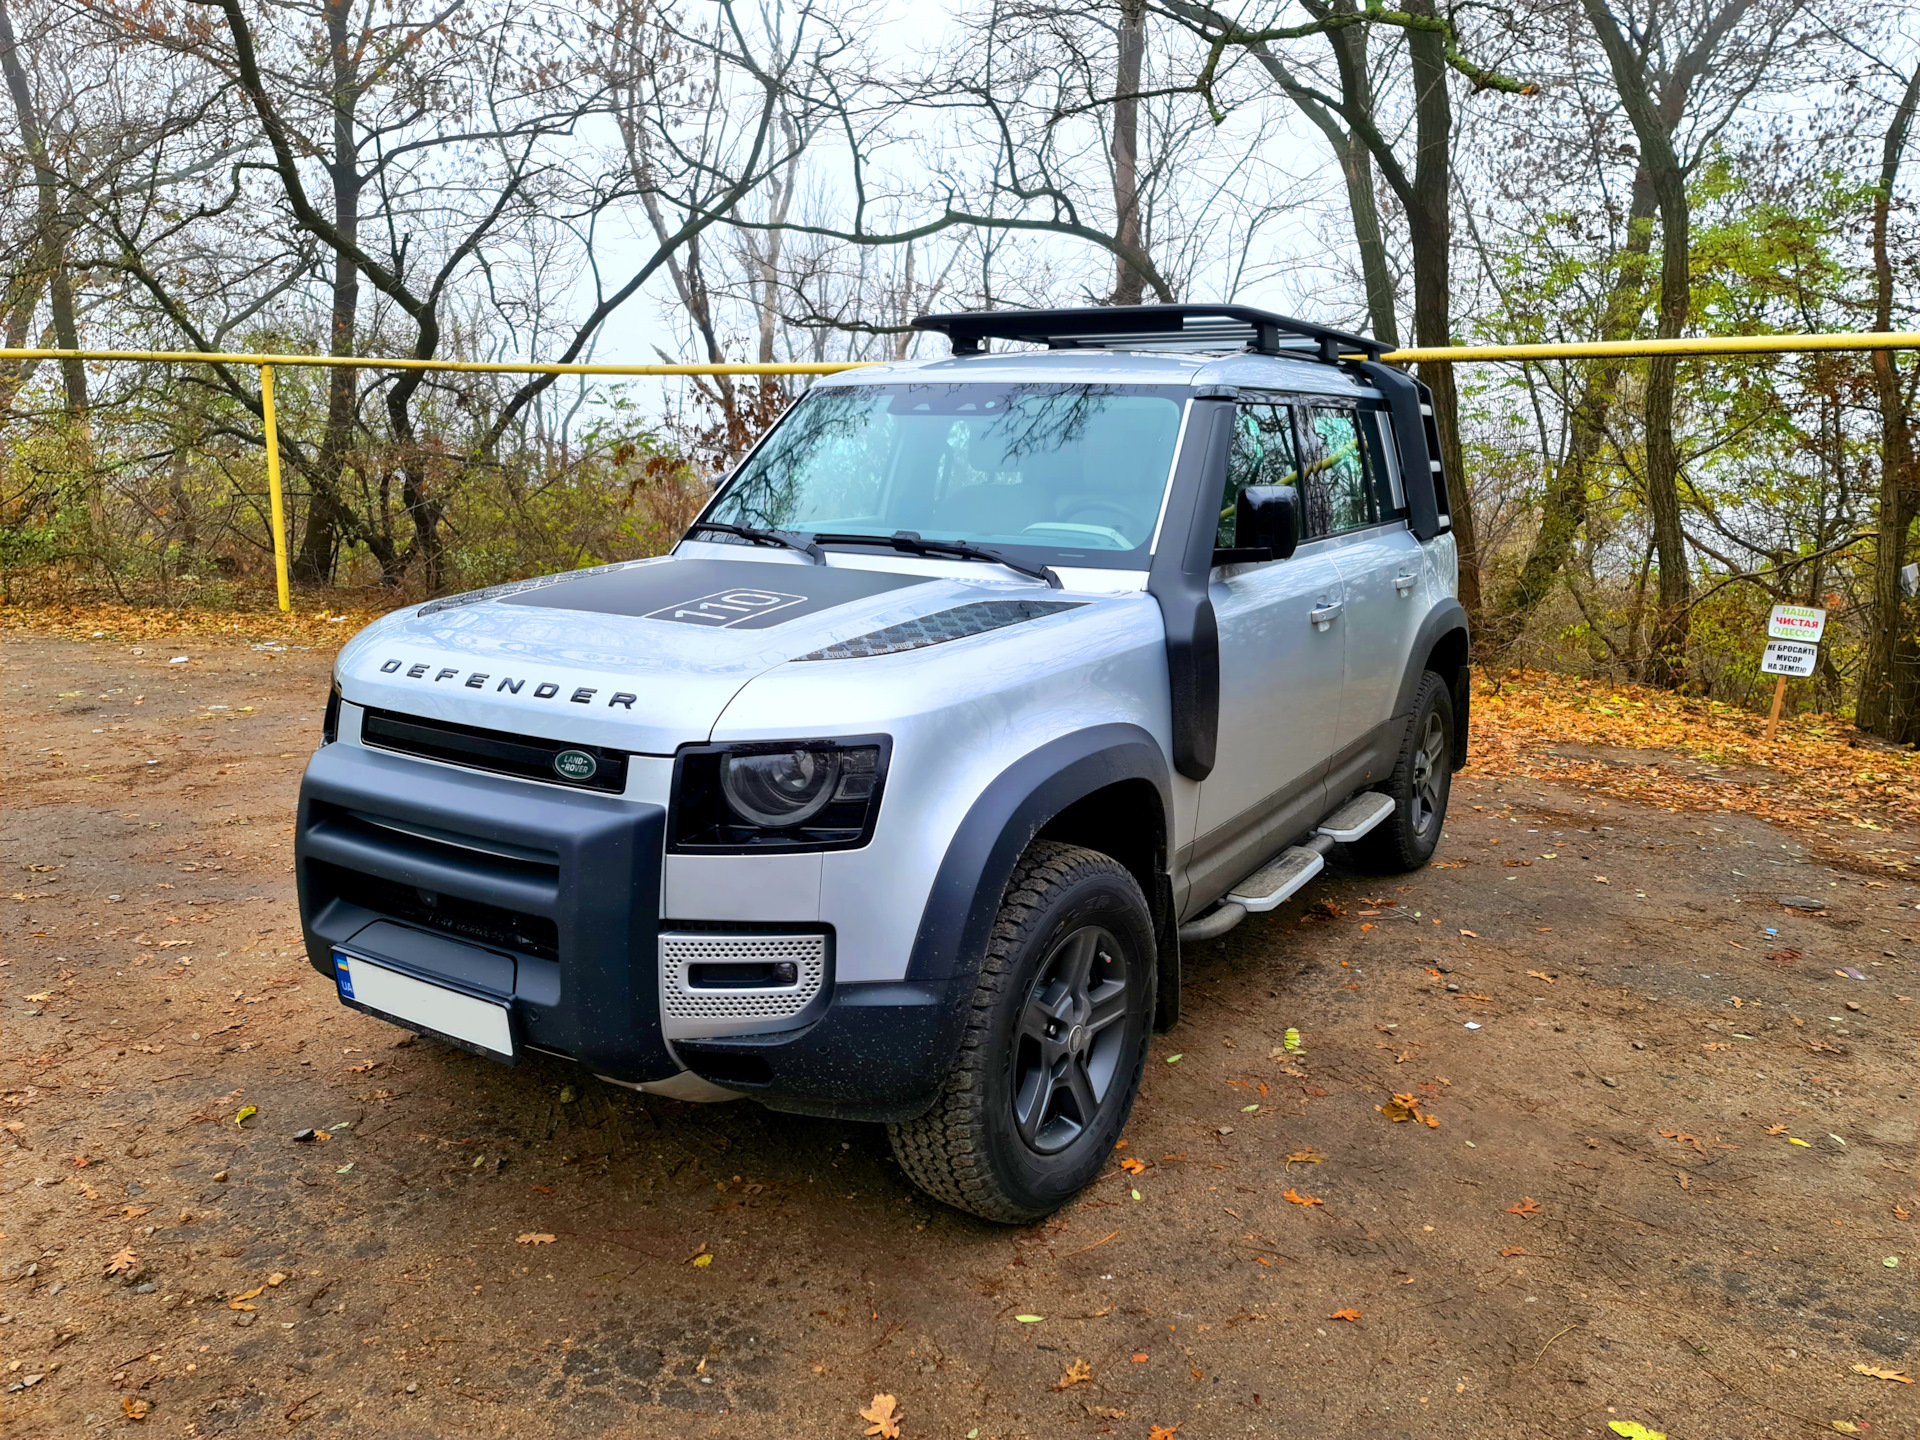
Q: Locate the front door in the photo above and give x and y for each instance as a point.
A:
(1282, 660)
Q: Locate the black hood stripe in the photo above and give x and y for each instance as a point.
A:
(712, 594)
(942, 626)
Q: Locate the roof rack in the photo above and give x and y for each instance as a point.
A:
(1152, 327)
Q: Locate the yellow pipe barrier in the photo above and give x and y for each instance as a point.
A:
(273, 487)
(1449, 354)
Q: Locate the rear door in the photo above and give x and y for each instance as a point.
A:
(1281, 670)
(1354, 497)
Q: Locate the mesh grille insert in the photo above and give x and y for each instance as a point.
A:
(681, 953)
(942, 626)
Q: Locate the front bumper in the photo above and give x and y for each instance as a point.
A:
(547, 900)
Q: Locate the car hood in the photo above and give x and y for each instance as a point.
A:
(640, 657)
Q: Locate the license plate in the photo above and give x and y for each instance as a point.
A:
(481, 1023)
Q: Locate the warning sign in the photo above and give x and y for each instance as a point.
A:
(1789, 657)
(1796, 622)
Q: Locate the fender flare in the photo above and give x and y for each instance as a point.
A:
(1447, 618)
(1001, 824)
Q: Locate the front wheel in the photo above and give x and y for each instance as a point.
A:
(1055, 1044)
(1421, 782)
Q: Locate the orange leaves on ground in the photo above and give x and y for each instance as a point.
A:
(533, 1237)
(1776, 1129)
(1879, 1374)
(1510, 1251)
(1684, 1139)
(135, 1409)
(1133, 1165)
(123, 1260)
(1161, 1432)
(239, 1302)
(1078, 1373)
(1407, 1107)
(1821, 770)
(1306, 1155)
(884, 1415)
(1295, 1197)
(1542, 975)
(1349, 1314)
(1527, 1206)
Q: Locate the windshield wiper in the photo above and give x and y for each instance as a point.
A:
(910, 543)
(759, 537)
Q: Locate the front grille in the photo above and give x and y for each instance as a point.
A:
(695, 984)
(470, 920)
(495, 750)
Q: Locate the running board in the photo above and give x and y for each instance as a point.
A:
(1356, 817)
(1280, 877)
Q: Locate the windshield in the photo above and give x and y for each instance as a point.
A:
(1062, 474)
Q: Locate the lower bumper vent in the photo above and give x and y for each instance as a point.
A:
(729, 984)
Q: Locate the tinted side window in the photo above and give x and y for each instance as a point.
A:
(1262, 455)
(1338, 493)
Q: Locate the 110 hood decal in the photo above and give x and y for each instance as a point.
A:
(477, 680)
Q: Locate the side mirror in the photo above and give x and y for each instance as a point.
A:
(1266, 525)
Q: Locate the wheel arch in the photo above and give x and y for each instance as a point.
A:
(1444, 646)
(1086, 788)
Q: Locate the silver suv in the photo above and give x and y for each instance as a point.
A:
(980, 685)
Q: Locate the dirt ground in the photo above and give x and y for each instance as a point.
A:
(1655, 1192)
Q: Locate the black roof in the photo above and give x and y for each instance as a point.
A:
(1152, 327)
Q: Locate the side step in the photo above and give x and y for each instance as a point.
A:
(1356, 817)
(1280, 877)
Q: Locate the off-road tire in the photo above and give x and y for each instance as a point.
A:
(1420, 785)
(967, 1149)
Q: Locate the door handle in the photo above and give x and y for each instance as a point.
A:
(1324, 615)
(1404, 583)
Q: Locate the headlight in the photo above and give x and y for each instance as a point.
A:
(791, 795)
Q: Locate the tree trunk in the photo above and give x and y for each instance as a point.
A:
(320, 544)
(1889, 699)
(52, 224)
(1129, 285)
(1564, 507)
(1430, 231)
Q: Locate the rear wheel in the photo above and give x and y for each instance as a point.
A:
(1055, 1044)
(1420, 785)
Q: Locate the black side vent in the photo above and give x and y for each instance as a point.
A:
(942, 626)
(585, 767)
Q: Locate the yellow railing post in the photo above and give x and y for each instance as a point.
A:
(273, 487)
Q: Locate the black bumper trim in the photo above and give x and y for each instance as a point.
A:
(880, 1052)
(602, 894)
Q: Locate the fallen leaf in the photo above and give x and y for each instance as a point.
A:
(1433, 1121)
(1078, 1373)
(1306, 1156)
(1845, 1427)
(247, 1112)
(1542, 975)
(123, 1260)
(534, 1238)
(701, 1262)
(239, 1302)
(1290, 1194)
(1104, 1412)
(1470, 934)
(1161, 1432)
(1796, 1140)
(1401, 1107)
(1510, 1251)
(884, 1412)
(134, 1212)
(1029, 1319)
(135, 1409)
(1634, 1430)
(1348, 1314)
(1776, 1129)
(1132, 1165)
(1527, 1206)
(1877, 1373)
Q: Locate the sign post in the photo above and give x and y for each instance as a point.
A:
(1792, 649)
